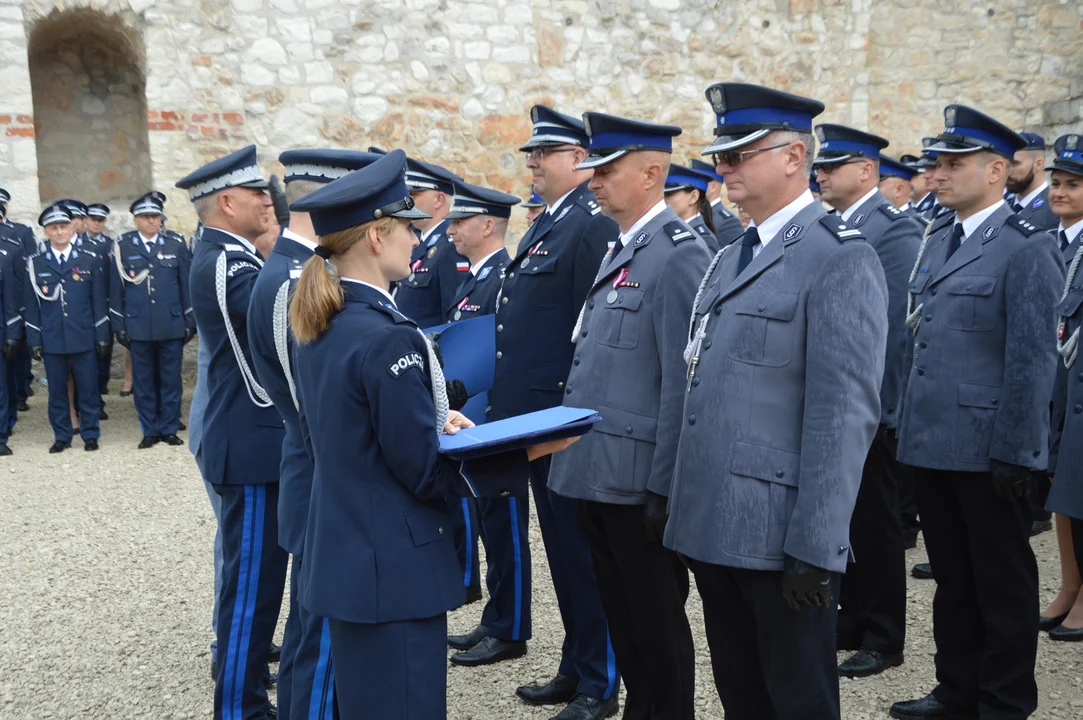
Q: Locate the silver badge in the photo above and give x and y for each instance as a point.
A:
(1072, 142)
(611, 297)
(525, 262)
(858, 218)
(458, 314)
(989, 232)
(718, 100)
(949, 116)
(534, 114)
(793, 230)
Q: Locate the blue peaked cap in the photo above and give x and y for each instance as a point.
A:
(238, 169)
(967, 130)
(323, 165)
(473, 200)
(706, 168)
(890, 167)
(554, 128)
(613, 137)
(58, 212)
(426, 176)
(745, 113)
(1034, 140)
(376, 191)
(839, 143)
(1069, 150)
(683, 178)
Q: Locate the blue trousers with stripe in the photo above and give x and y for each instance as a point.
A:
(465, 529)
(156, 385)
(505, 526)
(587, 654)
(253, 579)
(391, 671)
(84, 368)
(13, 387)
(306, 676)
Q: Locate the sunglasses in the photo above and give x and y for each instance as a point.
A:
(540, 152)
(828, 169)
(733, 158)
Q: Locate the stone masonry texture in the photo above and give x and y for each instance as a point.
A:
(102, 99)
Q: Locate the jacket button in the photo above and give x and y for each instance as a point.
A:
(511, 275)
(504, 300)
(718, 308)
(923, 345)
(575, 362)
(994, 402)
(628, 429)
(761, 307)
(928, 318)
(499, 354)
(691, 419)
(921, 371)
(780, 474)
(441, 530)
(590, 304)
(1078, 409)
(1037, 453)
(933, 291)
(500, 328)
(568, 391)
(695, 381)
(560, 385)
(842, 550)
(583, 334)
(706, 344)
(1080, 377)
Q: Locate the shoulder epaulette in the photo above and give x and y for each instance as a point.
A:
(1022, 225)
(891, 211)
(678, 232)
(588, 203)
(839, 229)
(233, 247)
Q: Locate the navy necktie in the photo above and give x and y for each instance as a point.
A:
(956, 239)
(1062, 237)
(749, 240)
(1017, 207)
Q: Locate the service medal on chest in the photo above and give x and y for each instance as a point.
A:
(611, 297)
(458, 314)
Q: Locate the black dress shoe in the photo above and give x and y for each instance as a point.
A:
(1045, 624)
(125, 393)
(60, 446)
(927, 707)
(23, 406)
(270, 680)
(864, 663)
(488, 651)
(584, 707)
(1066, 634)
(103, 415)
(910, 541)
(91, 445)
(5, 450)
(275, 653)
(472, 638)
(148, 442)
(922, 571)
(181, 427)
(1040, 526)
(272, 713)
(560, 689)
(172, 440)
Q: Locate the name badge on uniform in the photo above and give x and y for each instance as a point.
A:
(432, 251)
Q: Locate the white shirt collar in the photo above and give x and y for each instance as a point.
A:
(286, 232)
(774, 224)
(552, 209)
(149, 241)
(925, 197)
(248, 246)
(1072, 232)
(905, 206)
(383, 292)
(853, 208)
(1026, 201)
(716, 201)
(476, 268)
(426, 233)
(975, 221)
(638, 225)
(697, 216)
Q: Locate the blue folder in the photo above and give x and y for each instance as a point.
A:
(475, 408)
(469, 351)
(518, 432)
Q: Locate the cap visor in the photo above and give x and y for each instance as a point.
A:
(411, 214)
(137, 213)
(260, 184)
(536, 142)
(723, 143)
(834, 160)
(1066, 166)
(943, 146)
(674, 188)
(594, 161)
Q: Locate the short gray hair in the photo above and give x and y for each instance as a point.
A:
(792, 136)
(205, 206)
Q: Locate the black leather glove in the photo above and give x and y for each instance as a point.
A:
(122, 338)
(278, 199)
(804, 584)
(11, 346)
(104, 349)
(1010, 482)
(655, 516)
(35, 352)
(434, 338)
(189, 333)
(456, 394)
(891, 441)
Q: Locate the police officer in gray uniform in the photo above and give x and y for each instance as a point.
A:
(782, 402)
(873, 597)
(1026, 181)
(628, 365)
(975, 421)
(727, 226)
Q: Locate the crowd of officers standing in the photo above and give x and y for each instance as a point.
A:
(66, 300)
(785, 401)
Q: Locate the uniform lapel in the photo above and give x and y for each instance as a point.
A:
(774, 250)
(865, 210)
(971, 249)
(640, 240)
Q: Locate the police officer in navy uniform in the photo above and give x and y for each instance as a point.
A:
(67, 319)
(1027, 183)
(873, 594)
(686, 193)
(629, 366)
(305, 673)
(436, 269)
(545, 286)
(379, 561)
(1066, 496)
(152, 316)
(19, 376)
(479, 224)
(727, 226)
(11, 271)
(242, 432)
(975, 421)
(782, 403)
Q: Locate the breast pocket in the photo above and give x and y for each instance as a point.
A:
(764, 333)
(971, 305)
(1070, 305)
(619, 321)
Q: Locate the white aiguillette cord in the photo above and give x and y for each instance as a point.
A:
(255, 391)
(1069, 348)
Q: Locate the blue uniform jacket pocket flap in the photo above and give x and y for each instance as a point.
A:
(627, 424)
(776, 307)
(918, 284)
(979, 396)
(538, 266)
(764, 463)
(425, 527)
(1070, 304)
(973, 285)
(627, 299)
(419, 280)
(547, 377)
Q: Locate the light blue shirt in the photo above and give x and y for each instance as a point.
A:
(198, 408)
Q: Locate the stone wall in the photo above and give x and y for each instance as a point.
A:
(451, 80)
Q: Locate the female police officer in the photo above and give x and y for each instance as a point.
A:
(380, 563)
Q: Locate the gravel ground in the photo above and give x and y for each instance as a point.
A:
(106, 587)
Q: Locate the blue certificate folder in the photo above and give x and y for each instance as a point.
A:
(518, 432)
(469, 351)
